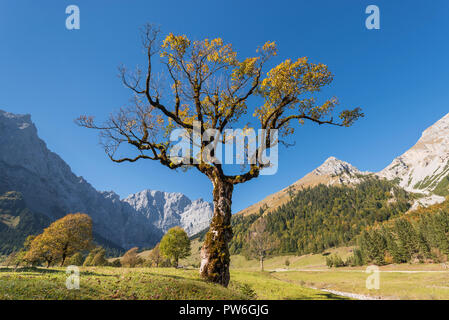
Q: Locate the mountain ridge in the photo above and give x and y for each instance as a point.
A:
(50, 187)
(331, 172)
(172, 209)
(424, 168)
(426, 164)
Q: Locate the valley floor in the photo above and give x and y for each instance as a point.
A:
(175, 284)
(401, 281)
(286, 277)
(394, 284)
(146, 284)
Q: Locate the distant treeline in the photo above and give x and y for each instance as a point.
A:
(326, 216)
(17, 222)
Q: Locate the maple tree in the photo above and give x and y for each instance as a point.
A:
(62, 239)
(205, 82)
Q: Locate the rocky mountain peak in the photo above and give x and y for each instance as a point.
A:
(22, 121)
(425, 166)
(50, 187)
(331, 172)
(168, 209)
(438, 129)
(335, 167)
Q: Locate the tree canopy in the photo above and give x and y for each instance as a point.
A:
(260, 243)
(62, 239)
(131, 259)
(204, 89)
(175, 244)
(205, 81)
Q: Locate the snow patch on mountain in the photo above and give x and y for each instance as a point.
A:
(426, 201)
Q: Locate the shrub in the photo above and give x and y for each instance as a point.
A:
(438, 256)
(329, 262)
(76, 260)
(131, 259)
(10, 260)
(248, 291)
(96, 258)
(116, 263)
(99, 259)
(338, 261)
(335, 261)
(155, 258)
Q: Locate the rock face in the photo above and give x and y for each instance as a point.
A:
(425, 167)
(49, 187)
(166, 210)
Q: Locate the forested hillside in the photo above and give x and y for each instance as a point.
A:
(420, 236)
(327, 216)
(17, 222)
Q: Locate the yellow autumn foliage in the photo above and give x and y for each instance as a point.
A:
(62, 239)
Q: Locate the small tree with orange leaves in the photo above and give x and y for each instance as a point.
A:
(62, 239)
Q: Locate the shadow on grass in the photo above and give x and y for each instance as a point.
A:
(322, 296)
(172, 276)
(30, 269)
(195, 281)
(50, 271)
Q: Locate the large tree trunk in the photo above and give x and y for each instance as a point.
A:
(261, 263)
(64, 254)
(176, 262)
(215, 251)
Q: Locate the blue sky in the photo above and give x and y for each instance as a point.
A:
(399, 75)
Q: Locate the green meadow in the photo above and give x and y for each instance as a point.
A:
(146, 284)
(304, 278)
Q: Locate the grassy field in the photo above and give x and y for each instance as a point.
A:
(403, 281)
(239, 262)
(146, 283)
(312, 261)
(109, 283)
(304, 278)
(393, 284)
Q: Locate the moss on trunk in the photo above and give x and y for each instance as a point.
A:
(215, 256)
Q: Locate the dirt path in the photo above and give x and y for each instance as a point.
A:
(350, 294)
(335, 292)
(363, 271)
